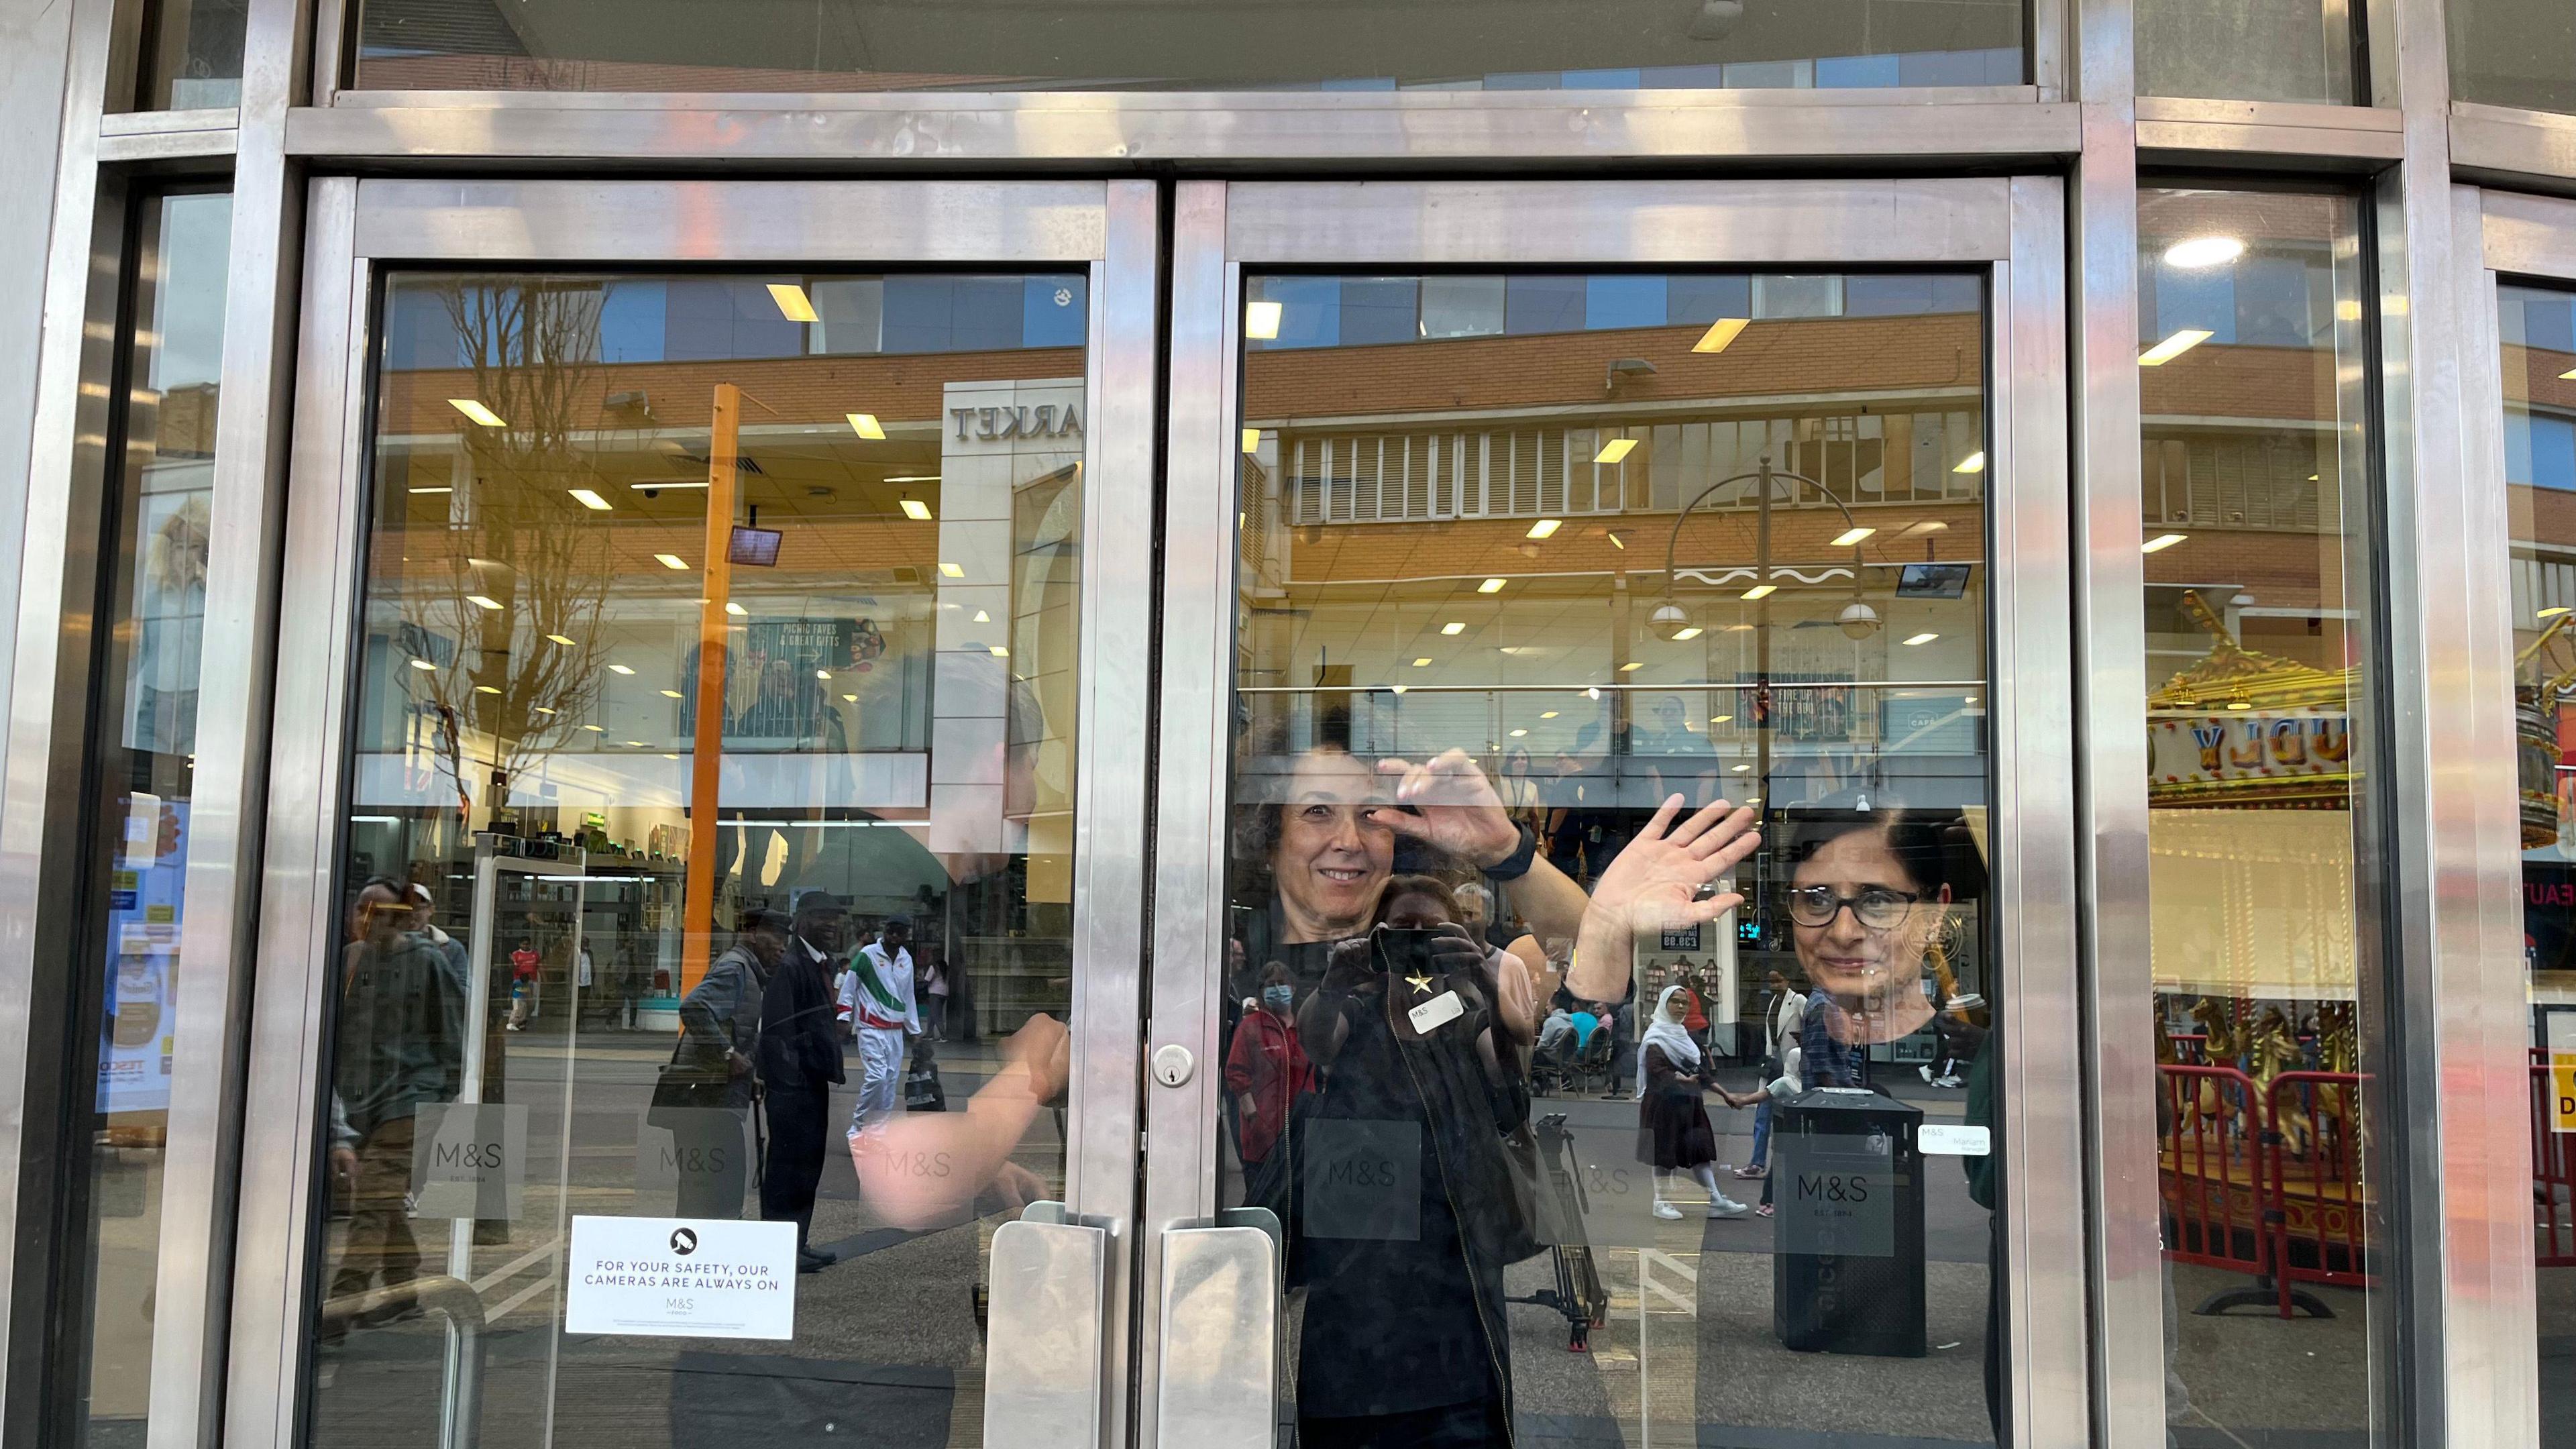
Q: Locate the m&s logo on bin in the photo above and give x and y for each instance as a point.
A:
(1827, 1188)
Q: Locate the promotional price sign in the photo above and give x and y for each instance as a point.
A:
(681, 1278)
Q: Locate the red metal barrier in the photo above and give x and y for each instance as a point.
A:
(2325, 1216)
(2215, 1177)
(2553, 1176)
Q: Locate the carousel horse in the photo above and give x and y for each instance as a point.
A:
(2217, 1049)
(2338, 1050)
(2274, 1049)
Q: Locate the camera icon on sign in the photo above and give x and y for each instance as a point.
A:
(684, 1241)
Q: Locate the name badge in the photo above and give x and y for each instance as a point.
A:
(1954, 1141)
(1437, 1012)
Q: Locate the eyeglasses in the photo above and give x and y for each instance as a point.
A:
(1876, 907)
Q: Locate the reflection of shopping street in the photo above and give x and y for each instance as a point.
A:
(1703, 1344)
(877, 1333)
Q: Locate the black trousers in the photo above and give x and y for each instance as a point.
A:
(798, 1120)
(1477, 1425)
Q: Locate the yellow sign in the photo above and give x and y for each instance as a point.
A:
(2562, 1071)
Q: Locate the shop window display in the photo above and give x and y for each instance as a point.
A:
(2537, 330)
(2262, 650)
(709, 827)
(145, 740)
(1530, 1041)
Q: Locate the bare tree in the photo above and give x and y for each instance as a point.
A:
(527, 570)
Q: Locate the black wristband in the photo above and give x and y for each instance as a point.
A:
(1517, 864)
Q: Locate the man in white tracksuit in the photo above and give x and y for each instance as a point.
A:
(878, 991)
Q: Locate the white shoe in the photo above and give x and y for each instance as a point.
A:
(1727, 1207)
(1926, 1071)
(1950, 1081)
(1667, 1211)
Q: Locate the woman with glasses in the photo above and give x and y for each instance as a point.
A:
(1866, 897)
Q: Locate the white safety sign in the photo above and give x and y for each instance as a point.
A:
(682, 1278)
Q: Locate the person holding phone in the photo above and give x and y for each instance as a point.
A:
(1409, 1212)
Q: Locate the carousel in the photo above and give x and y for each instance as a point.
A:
(2260, 1111)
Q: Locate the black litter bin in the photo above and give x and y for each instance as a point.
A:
(1847, 1230)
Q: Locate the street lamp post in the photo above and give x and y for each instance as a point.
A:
(1858, 620)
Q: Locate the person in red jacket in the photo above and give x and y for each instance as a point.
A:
(1267, 1070)
(523, 985)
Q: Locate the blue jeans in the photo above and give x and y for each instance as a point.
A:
(1762, 1131)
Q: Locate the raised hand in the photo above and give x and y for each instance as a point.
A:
(1459, 811)
(1653, 885)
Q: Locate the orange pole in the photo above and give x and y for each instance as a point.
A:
(706, 766)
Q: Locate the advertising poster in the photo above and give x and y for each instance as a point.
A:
(142, 957)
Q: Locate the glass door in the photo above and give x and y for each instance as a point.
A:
(2518, 349)
(716, 883)
(1611, 887)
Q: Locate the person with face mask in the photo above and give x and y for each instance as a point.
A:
(1267, 1071)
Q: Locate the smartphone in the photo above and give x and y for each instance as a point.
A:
(1403, 952)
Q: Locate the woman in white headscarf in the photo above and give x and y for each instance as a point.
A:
(1673, 1132)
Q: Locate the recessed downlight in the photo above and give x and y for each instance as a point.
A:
(2174, 346)
(1721, 333)
(792, 302)
(2204, 251)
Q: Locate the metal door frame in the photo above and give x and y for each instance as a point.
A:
(2013, 227)
(356, 229)
(2483, 1004)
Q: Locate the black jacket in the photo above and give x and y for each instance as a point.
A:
(798, 1046)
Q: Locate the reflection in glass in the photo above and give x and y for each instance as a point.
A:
(872, 45)
(709, 844)
(192, 54)
(2248, 50)
(2513, 53)
(145, 742)
(2260, 642)
(2538, 332)
(1521, 556)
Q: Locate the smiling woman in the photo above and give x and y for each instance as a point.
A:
(1441, 477)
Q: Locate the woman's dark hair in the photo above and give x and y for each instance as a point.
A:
(1920, 842)
(1429, 887)
(1252, 837)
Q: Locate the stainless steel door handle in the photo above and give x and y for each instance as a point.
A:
(1042, 1349)
(1220, 1334)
